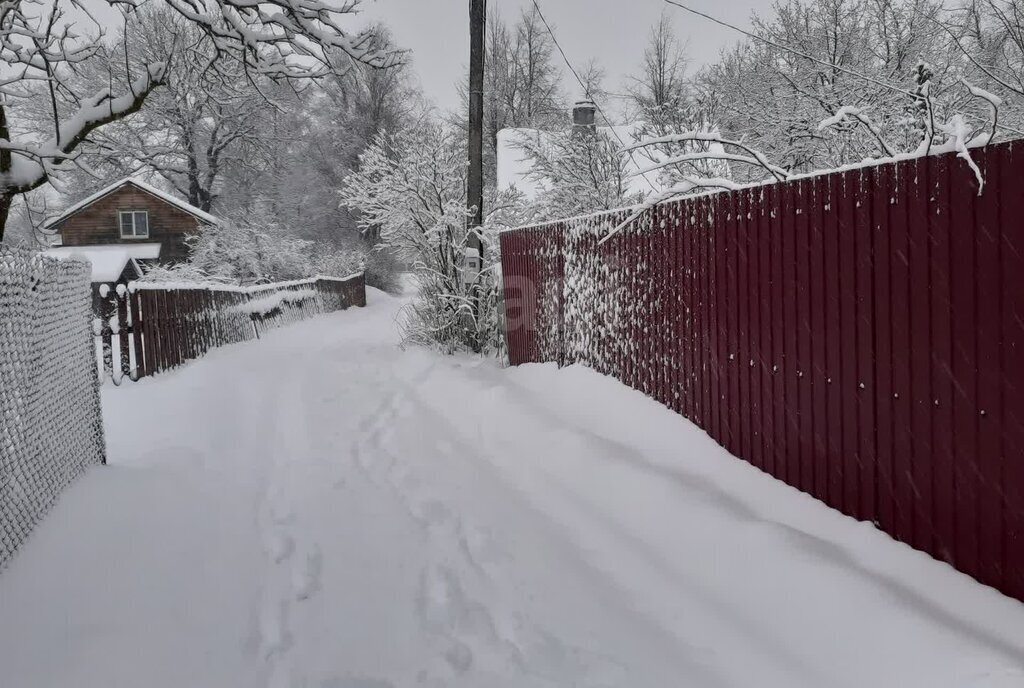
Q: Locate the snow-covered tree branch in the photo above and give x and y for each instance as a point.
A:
(63, 79)
(410, 189)
(580, 172)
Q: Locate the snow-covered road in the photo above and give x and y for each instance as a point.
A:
(320, 509)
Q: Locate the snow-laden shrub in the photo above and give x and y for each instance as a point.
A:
(181, 273)
(450, 314)
(410, 190)
(250, 250)
(580, 171)
(383, 270)
(255, 250)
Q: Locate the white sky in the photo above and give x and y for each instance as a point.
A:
(612, 31)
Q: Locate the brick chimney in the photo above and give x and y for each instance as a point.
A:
(583, 116)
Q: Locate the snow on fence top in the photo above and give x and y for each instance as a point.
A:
(251, 289)
(265, 305)
(50, 424)
(607, 222)
(171, 323)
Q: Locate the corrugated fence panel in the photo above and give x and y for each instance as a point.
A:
(1012, 210)
(867, 455)
(859, 335)
(940, 363)
(988, 335)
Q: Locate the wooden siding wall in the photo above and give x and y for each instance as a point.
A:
(98, 223)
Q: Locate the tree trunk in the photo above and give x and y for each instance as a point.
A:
(5, 168)
(5, 210)
(475, 190)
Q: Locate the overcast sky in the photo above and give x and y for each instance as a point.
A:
(612, 31)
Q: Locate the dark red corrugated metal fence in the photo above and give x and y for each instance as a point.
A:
(859, 336)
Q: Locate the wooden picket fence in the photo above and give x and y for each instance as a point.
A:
(145, 329)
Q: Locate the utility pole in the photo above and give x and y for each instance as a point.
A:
(475, 182)
(477, 27)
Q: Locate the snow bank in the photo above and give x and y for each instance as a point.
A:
(109, 260)
(322, 508)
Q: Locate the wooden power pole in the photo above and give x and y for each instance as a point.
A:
(474, 258)
(475, 185)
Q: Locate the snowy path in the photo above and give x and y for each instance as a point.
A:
(323, 510)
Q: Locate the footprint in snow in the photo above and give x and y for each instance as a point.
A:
(306, 573)
(281, 511)
(281, 677)
(480, 547)
(279, 546)
(459, 657)
(445, 610)
(274, 637)
(356, 682)
(433, 513)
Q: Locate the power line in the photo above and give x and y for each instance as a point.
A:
(794, 51)
(786, 48)
(586, 90)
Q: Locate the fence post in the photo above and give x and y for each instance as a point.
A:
(123, 329)
(137, 347)
(107, 310)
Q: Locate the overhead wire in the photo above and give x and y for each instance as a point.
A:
(586, 91)
(789, 49)
(799, 53)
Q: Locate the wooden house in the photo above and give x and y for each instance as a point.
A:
(123, 226)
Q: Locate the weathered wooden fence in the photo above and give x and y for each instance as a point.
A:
(145, 329)
(858, 335)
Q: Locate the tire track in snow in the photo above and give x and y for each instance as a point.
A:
(453, 625)
(294, 562)
(469, 636)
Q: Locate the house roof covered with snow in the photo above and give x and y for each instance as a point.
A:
(108, 260)
(200, 215)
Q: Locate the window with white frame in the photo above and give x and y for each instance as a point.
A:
(134, 224)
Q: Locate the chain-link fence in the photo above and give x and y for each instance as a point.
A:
(51, 428)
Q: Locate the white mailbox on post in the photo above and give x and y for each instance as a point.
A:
(471, 266)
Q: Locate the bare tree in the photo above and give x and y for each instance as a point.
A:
(989, 34)
(580, 172)
(411, 186)
(816, 59)
(204, 119)
(46, 45)
(522, 82)
(534, 72)
(593, 76)
(314, 140)
(668, 105)
(662, 79)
